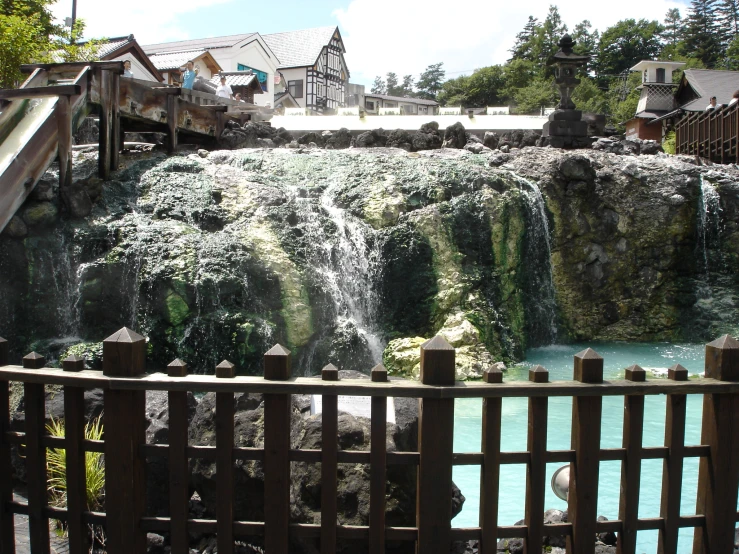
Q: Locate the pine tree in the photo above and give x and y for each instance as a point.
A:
(704, 37)
(551, 32)
(429, 85)
(407, 86)
(391, 79)
(522, 49)
(729, 18)
(378, 87)
(673, 27)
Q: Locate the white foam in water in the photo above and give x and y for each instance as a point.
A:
(559, 361)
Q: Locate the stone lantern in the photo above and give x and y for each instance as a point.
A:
(565, 127)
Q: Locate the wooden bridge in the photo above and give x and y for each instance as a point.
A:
(38, 120)
(125, 383)
(713, 134)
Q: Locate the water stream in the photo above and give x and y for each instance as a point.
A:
(709, 224)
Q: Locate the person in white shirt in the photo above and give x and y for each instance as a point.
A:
(711, 104)
(224, 90)
(127, 69)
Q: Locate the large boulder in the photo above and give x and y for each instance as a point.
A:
(455, 136)
(400, 138)
(369, 139)
(339, 140)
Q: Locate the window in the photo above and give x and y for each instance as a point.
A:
(391, 104)
(262, 76)
(296, 88)
(661, 75)
(369, 105)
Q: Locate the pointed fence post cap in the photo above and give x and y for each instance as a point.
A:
(124, 354)
(177, 368)
(4, 351)
(225, 370)
(677, 373)
(277, 363)
(330, 373)
(588, 366)
(636, 373)
(73, 363)
(492, 375)
(34, 360)
(722, 359)
(378, 374)
(437, 362)
(539, 374)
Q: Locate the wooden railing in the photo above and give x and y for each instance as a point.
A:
(713, 134)
(125, 383)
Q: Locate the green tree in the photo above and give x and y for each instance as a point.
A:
(625, 44)
(518, 74)
(393, 89)
(429, 85)
(22, 40)
(454, 92)
(38, 9)
(378, 87)
(623, 107)
(704, 36)
(589, 98)
(540, 93)
(552, 30)
(729, 18)
(732, 55)
(407, 86)
(525, 44)
(486, 87)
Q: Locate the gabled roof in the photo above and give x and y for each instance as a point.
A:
(239, 79)
(114, 48)
(419, 101)
(707, 83)
(299, 48)
(284, 97)
(646, 64)
(175, 60)
(197, 44)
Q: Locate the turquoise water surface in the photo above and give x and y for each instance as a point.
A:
(558, 359)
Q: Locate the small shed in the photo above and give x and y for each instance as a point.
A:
(245, 83)
(171, 64)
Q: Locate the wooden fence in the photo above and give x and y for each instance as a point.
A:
(713, 134)
(125, 383)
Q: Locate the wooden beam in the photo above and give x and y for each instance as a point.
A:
(40, 92)
(69, 66)
(64, 131)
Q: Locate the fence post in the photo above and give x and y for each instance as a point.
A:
(586, 418)
(7, 527)
(179, 472)
(536, 470)
(718, 474)
(225, 461)
(329, 462)
(277, 412)
(435, 445)
(124, 355)
(490, 470)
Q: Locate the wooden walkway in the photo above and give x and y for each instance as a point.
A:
(38, 119)
(713, 134)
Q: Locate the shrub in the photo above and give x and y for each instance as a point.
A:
(668, 145)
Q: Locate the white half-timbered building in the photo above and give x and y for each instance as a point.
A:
(313, 68)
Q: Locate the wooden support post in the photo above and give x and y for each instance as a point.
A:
(172, 115)
(225, 462)
(115, 123)
(35, 406)
(435, 445)
(490, 470)
(329, 464)
(105, 125)
(277, 414)
(718, 474)
(64, 132)
(7, 527)
(179, 472)
(74, 435)
(672, 473)
(221, 119)
(536, 470)
(378, 465)
(628, 510)
(124, 355)
(583, 492)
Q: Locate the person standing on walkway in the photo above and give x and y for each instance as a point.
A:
(188, 77)
(224, 90)
(127, 69)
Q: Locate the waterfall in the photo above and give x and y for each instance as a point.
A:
(542, 306)
(709, 223)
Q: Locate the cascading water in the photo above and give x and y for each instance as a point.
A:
(542, 307)
(709, 224)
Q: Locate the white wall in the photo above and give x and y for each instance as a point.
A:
(139, 71)
(251, 53)
(296, 75)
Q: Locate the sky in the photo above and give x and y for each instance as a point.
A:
(402, 36)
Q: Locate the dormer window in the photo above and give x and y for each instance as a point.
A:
(660, 74)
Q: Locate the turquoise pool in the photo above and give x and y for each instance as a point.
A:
(558, 360)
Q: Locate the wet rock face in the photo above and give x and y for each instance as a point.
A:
(336, 254)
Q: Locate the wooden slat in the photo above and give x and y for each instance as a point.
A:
(583, 491)
(378, 473)
(172, 117)
(225, 471)
(179, 473)
(277, 413)
(35, 452)
(329, 446)
(115, 120)
(628, 511)
(718, 475)
(105, 124)
(39, 92)
(537, 467)
(74, 436)
(435, 444)
(672, 472)
(72, 66)
(7, 527)
(64, 131)
(490, 474)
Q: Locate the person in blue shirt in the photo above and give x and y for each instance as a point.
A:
(188, 77)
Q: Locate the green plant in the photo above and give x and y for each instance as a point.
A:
(56, 465)
(668, 144)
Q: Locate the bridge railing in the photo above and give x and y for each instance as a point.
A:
(124, 384)
(713, 134)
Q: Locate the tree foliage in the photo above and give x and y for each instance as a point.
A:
(429, 85)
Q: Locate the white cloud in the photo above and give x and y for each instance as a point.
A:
(151, 21)
(405, 36)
